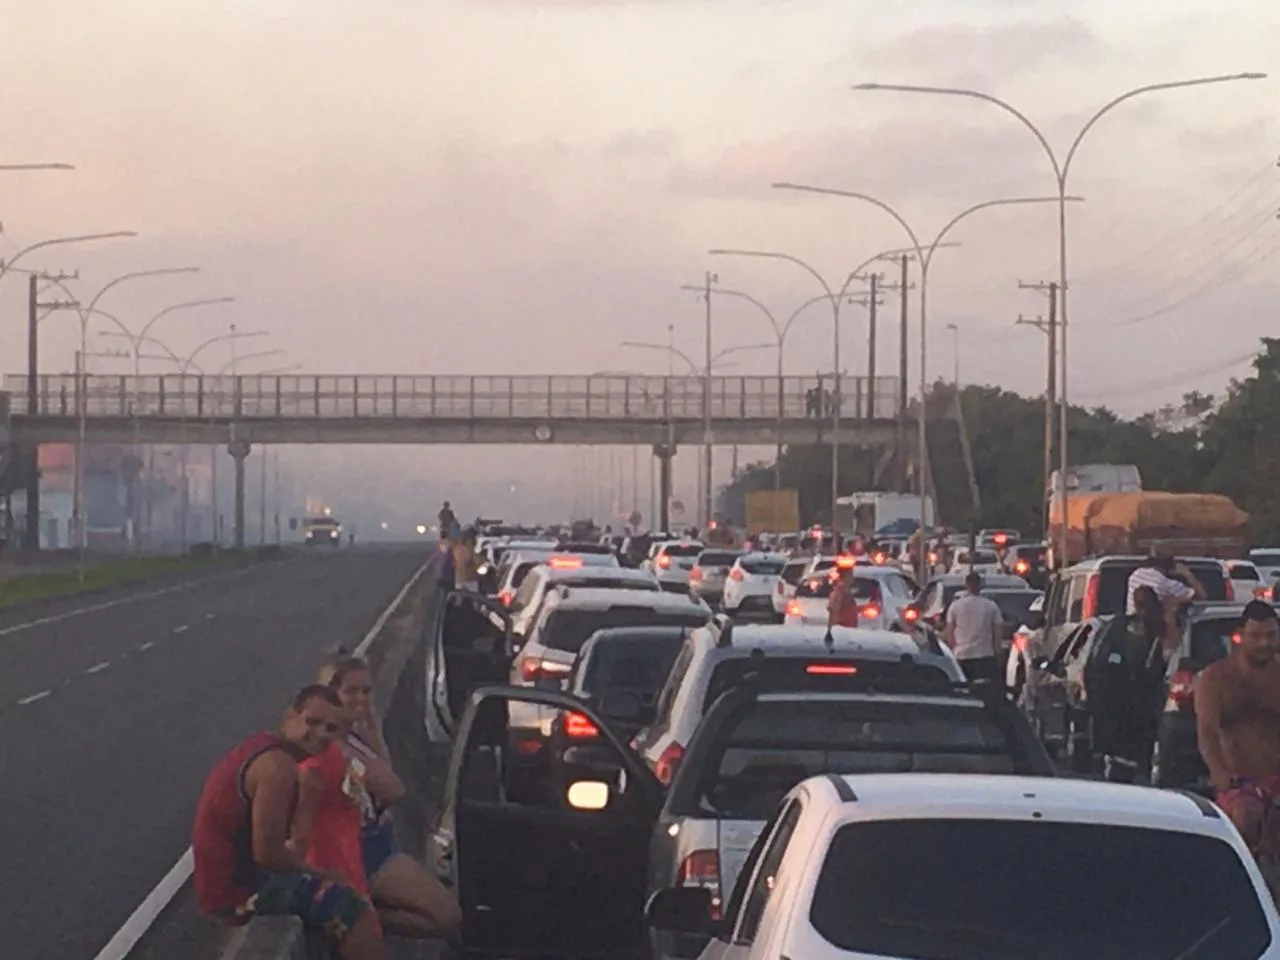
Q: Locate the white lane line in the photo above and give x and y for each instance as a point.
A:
(182, 629)
(97, 607)
(147, 646)
(140, 921)
(210, 616)
(99, 667)
(34, 697)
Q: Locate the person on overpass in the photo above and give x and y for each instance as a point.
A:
(447, 521)
(356, 772)
(244, 864)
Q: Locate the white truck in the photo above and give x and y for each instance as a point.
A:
(877, 512)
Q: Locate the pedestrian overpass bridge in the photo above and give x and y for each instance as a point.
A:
(665, 412)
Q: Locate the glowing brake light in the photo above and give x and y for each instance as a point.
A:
(565, 563)
(664, 561)
(1090, 606)
(702, 869)
(534, 669)
(735, 575)
(1182, 687)
(668, 762)
(695, 574)
(910, 614)
(578, 726)
(844, 562)
(1001, 539)
(869, 612)
(878, 559)
(793, 608)
(933, 557)
(1021, 566)
(506, 596)
(831, 669)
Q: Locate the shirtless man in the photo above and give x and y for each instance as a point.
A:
(1238, 722)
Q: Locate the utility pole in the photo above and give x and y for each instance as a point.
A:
(872, 301)
(1050, 328)
(708, 488)
(36, 311)
(903, 286)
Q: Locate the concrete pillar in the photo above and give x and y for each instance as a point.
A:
(664, 452)
(239, 451)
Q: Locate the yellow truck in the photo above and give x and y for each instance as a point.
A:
(772, 511)
(1186, 524)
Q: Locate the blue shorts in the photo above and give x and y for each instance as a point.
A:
(379, 843)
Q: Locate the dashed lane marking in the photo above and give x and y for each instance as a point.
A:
(147, 646)
(34, 697)
(182, 629)
(99, 667)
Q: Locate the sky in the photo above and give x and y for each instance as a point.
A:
(518, 186)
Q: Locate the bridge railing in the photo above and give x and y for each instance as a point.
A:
(454, 397)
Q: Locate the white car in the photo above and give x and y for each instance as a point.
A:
(984, 562)
(1246, 581)
(1267, 560)
(674, 559)
(749, 588)
(923, 866)
(882, 593)
(785, 587)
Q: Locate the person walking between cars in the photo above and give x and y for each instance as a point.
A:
(1168, 578)
(466, 568)
(1237, 703)
(842, 605)
(973, 631)
(244, 865)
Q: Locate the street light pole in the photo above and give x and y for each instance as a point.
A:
(925, 257)
(1061, 170)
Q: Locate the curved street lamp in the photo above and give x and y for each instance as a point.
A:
(925, 256)
(1061, 170)
(6, 265)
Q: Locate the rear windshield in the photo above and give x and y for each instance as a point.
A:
(716, 558)
(584, 548)
(522, 571)
(792, 571)
(979, 557)
(1211, 639)
(772, 746)
(942, 890)
(795, 674)
(865, 590)
(1244, 571)
(639, 664)
(601, 583)
(762, 566)
(683, 550)
(1014, 607)
(568, 630)
(1032, 554)
(1266, 559)
(1113, 591)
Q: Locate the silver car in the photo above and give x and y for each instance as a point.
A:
(708, 575)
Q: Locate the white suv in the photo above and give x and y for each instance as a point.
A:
(749, 588)
(909, 866)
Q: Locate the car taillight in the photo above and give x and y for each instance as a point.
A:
(1089, 610)
(878, 559)
(695, 574)
(534, 669)
(1020, 641)
(869, 612)
(1262, 593)
(831, 669)
(793, 608)
(780, 587)
(668, 763)
(933, 557)
(664, 561)
(702, 869)
(1021, 567)
(735, 575)
(910, 614)
(1182, 687)
(578, 726)
(1230, 590)
(506, 596)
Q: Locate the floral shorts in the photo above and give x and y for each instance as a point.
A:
(322, 905)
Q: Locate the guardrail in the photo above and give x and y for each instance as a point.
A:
(460, 397)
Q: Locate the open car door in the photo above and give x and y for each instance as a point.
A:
(545, 838)
(469, 647)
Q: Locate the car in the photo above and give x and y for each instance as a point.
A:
(717, 657)
(709, 573)
(674, 559)
(934, 600)
(941, 866)
(883, 593)
(1015, 605)
(784, 587)
(571, 572)
(1023, 639)
(984, 562)
(505, 578)
(1267, 560)
(587, 547)
(750, 585)
(1029, 561)
(754, 746)
(518, 565)
(322, 531)
(1246, 581)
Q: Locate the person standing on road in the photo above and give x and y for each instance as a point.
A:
(244, 863)
(973, 631)
(410, 901)
(842, 605)
(466, 569)
(447, 521)
(1168, 578)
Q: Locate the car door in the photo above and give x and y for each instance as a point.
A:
(1121, 683)
(547, 853)
(469, 646)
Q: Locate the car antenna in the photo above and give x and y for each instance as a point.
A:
(829, 638)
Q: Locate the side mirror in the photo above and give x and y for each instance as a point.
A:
(681, 910)
(621, 705)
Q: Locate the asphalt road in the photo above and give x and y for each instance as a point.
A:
(110, 721)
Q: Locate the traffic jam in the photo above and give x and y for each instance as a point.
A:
(710, 744)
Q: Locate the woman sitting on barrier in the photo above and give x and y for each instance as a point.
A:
(355, 782)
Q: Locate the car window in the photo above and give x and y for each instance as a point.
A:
(770, 746)
(717, 558)
(636, 663)
(527, 590)
(521, 571)
(1211, 639)
(1245, 571)
(762, 566)
(897, 585)
(733, 908)
(934, 888)
(1075, 598)
(1113, 587)
(1074, 643)
(1265, 559)
(1014, 606)
(567, 629)
(683, 549)
(793, 571)
(667, 698)
(762, 883)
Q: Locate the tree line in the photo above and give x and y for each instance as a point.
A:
(1228, 443)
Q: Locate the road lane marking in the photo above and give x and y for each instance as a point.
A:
(147, 646)
(34, 697)
(182, 629)
(210, 616)
(98, 607)
(99, 667)
(142, 919)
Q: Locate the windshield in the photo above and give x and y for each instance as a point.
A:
(946, 890)
(792, 572)
(1211, 639)
(864, 590)
(717, 558)
(1265, 559)
(773, 745)
(762, 566)
(683, 549)
(636, 663)
(1244, 571)
(568, 630)
(979, 558)
(1014, 607)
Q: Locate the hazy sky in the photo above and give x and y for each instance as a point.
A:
(515, 186)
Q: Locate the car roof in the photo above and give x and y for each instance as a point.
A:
(810, 640)
(627, 634)
(764, 555)
(1011, 589)
(960, 795)
(994, 579)
(598, 598)
(1089, 563)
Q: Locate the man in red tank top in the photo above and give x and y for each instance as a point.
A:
(244, 864)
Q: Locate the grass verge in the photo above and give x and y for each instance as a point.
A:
(116, 572)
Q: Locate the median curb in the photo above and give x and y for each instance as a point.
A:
(284, 938)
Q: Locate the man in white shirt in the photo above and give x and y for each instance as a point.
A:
(973, 631)
(1157, 572)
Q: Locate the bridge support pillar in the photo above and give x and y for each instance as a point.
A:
(239, 450)
(664, 452)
